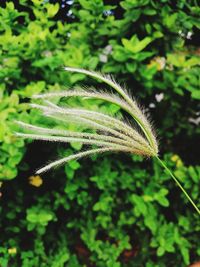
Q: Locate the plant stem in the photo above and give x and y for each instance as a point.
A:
(178, 183)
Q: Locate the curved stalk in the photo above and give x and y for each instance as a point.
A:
(63, 139)
(137, 114)
(90, 136)
(178, 183)
(76, 157)
(104, 119)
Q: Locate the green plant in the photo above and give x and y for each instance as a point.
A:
(115, 210)
(118, 136)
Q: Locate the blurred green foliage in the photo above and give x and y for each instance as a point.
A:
(108, 211)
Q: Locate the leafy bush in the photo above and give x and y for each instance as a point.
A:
(108, 210)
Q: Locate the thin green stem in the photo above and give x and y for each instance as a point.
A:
(178, 183)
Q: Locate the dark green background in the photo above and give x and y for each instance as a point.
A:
(111, 210)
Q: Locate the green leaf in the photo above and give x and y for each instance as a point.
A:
(139, 204)
(193, 174)
(76, 145)
(131, 67)
(192, 62)
(160, 251)
(177, 60)
(196, 94)
(44, 217)
(134, 45)
(185, 254)
(151, 223)
(149, 12)
(170, 20)
(32, 217)
(52, 10)
(163, 201)
(120, 54)
(74, 164)
(86, 4)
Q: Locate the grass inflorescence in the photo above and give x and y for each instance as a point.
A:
(111, 133)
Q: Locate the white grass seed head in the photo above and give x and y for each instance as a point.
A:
(112, 134)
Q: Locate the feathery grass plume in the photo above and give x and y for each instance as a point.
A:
(112, 134)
